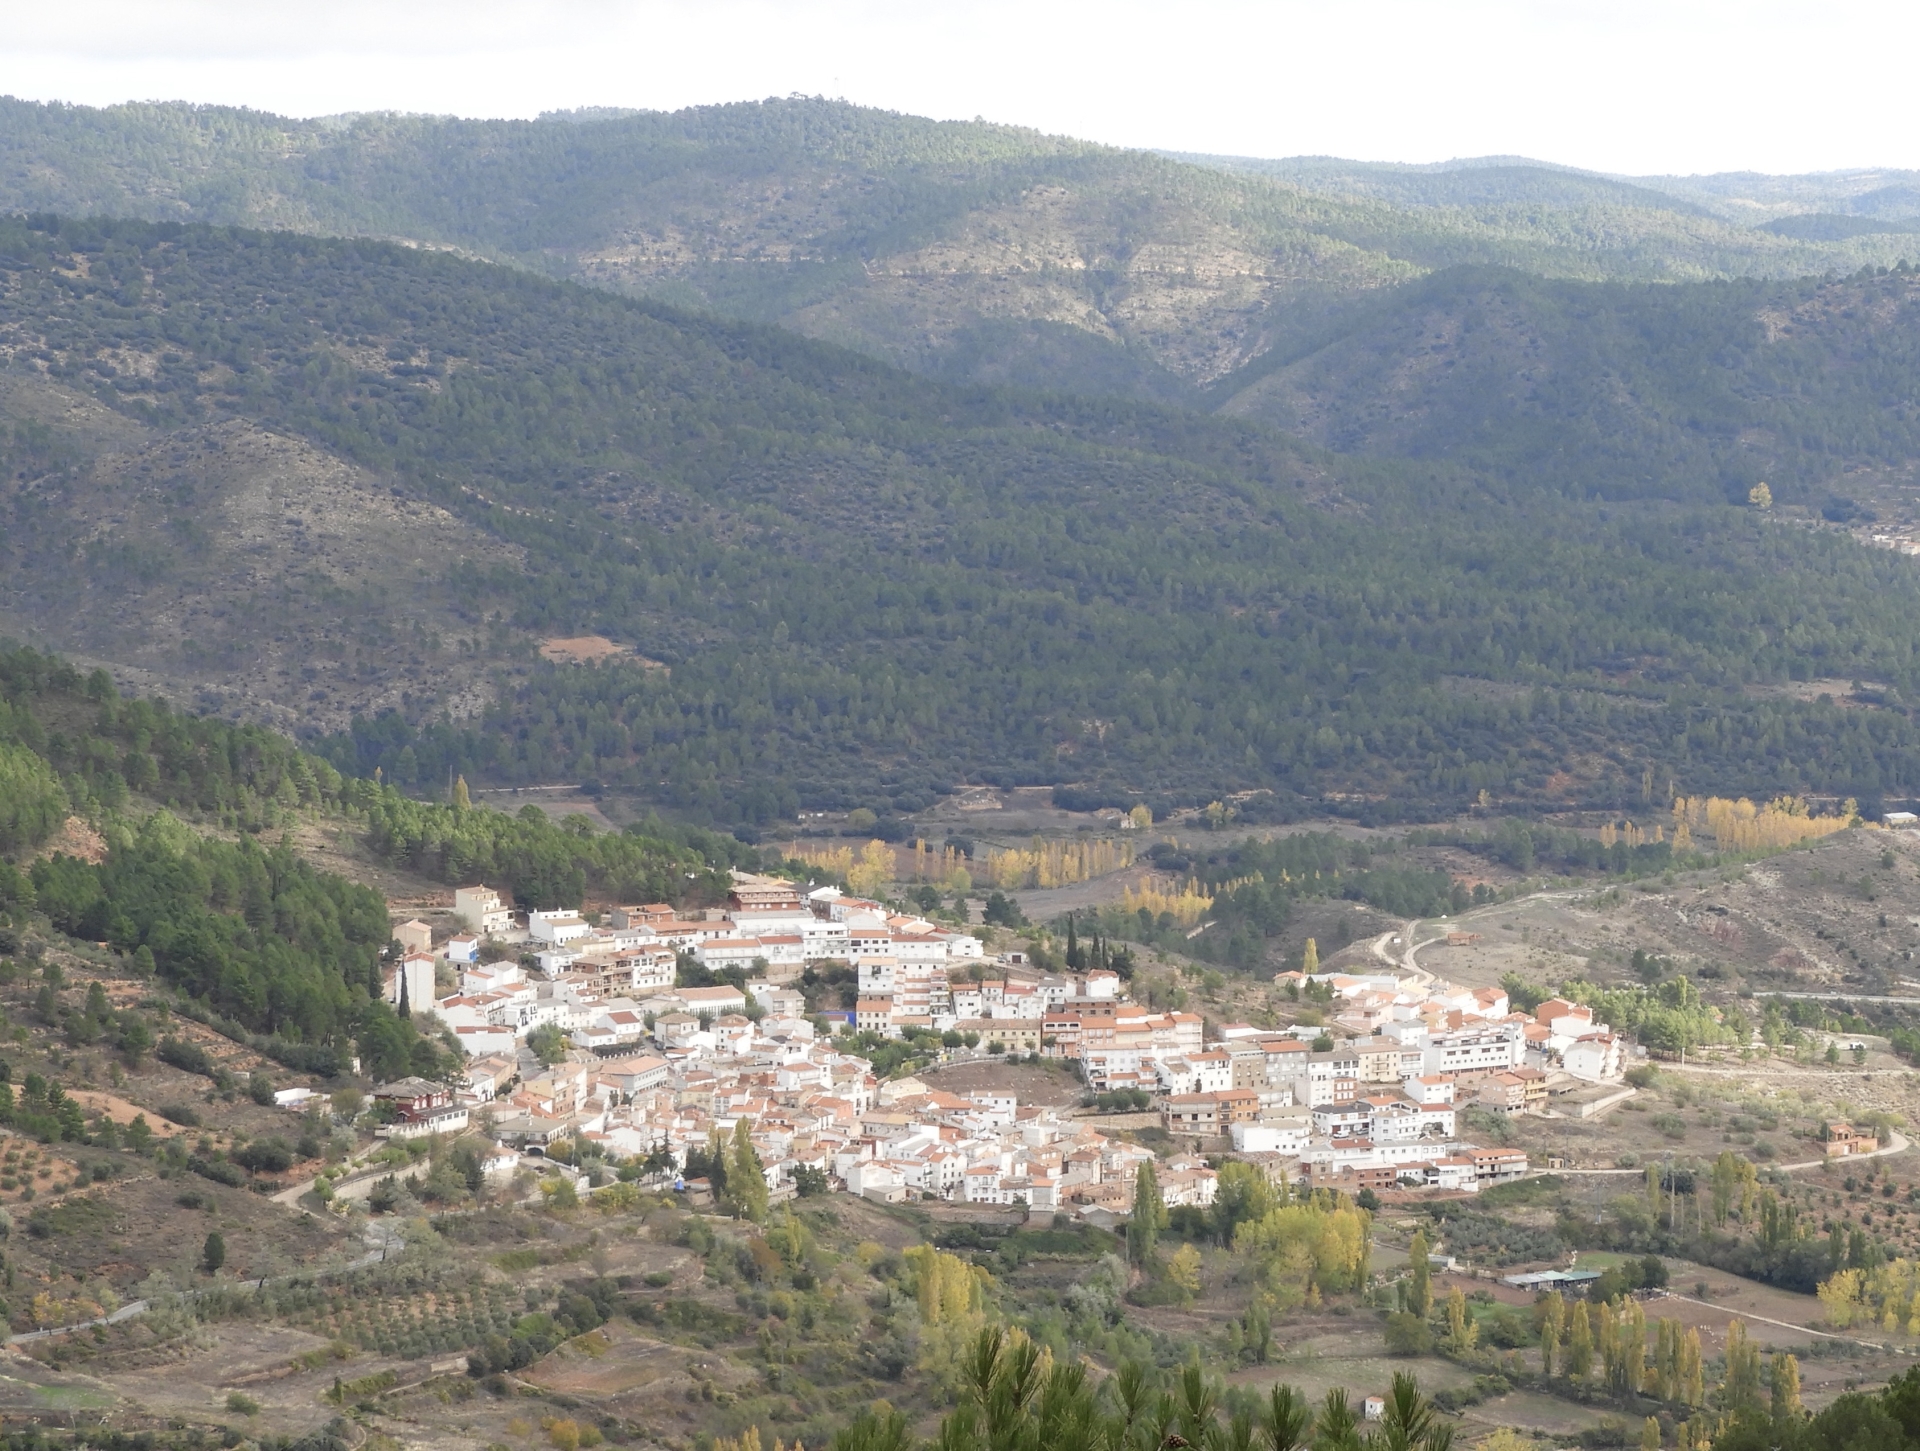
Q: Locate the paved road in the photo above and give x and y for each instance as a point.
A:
(125, 1312)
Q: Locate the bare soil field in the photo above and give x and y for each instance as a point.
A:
(1029, 1083)
(1352, 1356)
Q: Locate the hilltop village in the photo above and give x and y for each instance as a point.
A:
(582, 1032)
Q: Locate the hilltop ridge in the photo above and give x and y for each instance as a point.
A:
(962, 249)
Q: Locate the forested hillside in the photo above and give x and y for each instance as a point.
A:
(185, 866)
(965, 250)
(866, 587)
(1616, 390)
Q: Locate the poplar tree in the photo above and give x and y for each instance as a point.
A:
(1149, 1214)
(1580, 1343)
(1665, 1354)
(1461, 1331)
(1553, 1324)
(1691, 1370)
(717, 1175)
(746, 1177)
(1631, 1332)
(1420, 1286)
(1785, 1375)
(1740, 1391)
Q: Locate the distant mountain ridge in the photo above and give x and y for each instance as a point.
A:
(962, 250)
(1746, 196)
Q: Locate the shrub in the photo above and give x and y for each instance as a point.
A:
(188, 1057)
(217, 1170)
(265, 1156)
(179, 1113)
(1408, 1334)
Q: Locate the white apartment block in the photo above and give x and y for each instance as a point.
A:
(1476, 1050)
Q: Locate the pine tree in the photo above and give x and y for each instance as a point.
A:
(1420, 1287)
(746, 1177)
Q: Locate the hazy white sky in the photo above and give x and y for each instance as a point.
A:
(1624, 85)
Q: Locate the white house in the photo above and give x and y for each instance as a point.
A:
(478, 1040)
(411, 981)
(709, 1001)
(1598, 1058)
(1278, 1137)
(722, 952)
(482, 910)
(559, 925)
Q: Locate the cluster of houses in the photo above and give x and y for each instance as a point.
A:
(1373, 1098)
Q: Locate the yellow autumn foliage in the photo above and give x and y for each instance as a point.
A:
(952, 1296)
(947, 867)
(1886, 1297)
(1322, 1245)
(1056, 863)
(834, 860)
(1185, 901)
(749, 1440)
(874, 869)
(947, 1287)
(1742, 826)
(48, 1309)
